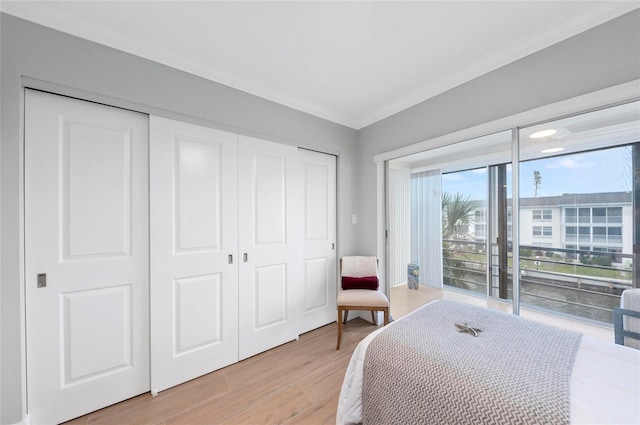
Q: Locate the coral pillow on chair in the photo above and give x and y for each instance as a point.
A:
(366, 282)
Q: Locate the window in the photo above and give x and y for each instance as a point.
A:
(584, 215)
(614, 215)
(570, 215)
(614, 234)
(594, 215)
(584, 234)
(570, 234)
(599, 215)
(593, 207)
(542, 231)
(599, 234)
(584, 209)
(464, 232)
(542, 214)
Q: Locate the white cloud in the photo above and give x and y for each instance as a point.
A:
(570, 163)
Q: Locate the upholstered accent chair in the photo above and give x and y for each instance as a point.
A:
(359, 290)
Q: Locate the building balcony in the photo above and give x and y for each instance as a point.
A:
(576, 283)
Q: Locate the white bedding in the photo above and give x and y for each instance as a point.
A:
(605, 384)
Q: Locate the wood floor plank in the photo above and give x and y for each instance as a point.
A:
(295, 383)
(149, 409)
(319, 413)
(279, 406)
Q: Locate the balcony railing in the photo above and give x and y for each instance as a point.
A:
(585, 284)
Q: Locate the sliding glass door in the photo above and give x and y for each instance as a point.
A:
(576, 212)
(577, 179)
(464, 230)
(445, 228)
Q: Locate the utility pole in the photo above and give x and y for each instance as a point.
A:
(537, 179)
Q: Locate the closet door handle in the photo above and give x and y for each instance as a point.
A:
(41, 280)
(230, 259)
(246, 257)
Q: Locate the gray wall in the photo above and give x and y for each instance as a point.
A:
(35, 56)
(599, 58)
(602, 57)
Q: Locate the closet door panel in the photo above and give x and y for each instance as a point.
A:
(194, 270)
(86, 256)
(318, 239)
(270, 290)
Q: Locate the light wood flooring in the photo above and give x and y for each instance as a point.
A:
(296, 383)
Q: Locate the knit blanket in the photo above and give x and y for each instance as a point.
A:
(423, 370)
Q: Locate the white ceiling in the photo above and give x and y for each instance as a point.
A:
(353, 63)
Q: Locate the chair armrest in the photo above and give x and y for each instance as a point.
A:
(618, 327)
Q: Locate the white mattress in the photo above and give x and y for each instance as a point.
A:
(605, 384)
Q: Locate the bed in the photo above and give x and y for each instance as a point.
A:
(602, 379)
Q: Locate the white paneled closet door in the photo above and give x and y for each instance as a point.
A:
(269, 234)
(86, 256)
(318, 239)
(194, 245)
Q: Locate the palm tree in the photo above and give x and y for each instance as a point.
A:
(456, 215)
(456, 218)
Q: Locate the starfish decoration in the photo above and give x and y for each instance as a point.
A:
(468, 329)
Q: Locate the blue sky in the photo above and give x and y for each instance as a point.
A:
(588, 172)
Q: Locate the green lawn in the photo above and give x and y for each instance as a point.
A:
(574, 269)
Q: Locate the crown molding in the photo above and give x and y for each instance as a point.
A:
(597, 16)
(52, 18)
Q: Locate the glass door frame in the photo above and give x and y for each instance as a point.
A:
(602, 99)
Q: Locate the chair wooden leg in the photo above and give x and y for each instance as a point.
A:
(339, 327)
(344, 313)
